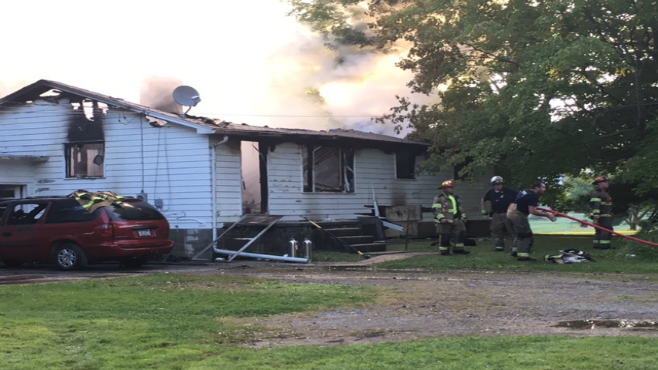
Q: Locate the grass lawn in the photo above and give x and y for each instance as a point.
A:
(173, 321)
(483, 257)
(165, 321)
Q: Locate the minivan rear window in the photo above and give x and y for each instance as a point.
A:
(133, 211)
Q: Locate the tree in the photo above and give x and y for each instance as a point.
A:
(541, 88)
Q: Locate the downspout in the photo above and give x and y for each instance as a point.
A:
(213, 171)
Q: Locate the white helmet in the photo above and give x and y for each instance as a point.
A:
(496, 180)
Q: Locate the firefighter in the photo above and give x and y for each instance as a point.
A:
(601, 204)
(499, 198)
(449, 220)
(526, 203)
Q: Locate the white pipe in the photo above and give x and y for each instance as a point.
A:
(213, 171)
(264, 256)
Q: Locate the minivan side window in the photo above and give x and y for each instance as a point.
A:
(68, 211)
(26, 213)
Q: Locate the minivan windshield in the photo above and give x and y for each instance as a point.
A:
(133, 210)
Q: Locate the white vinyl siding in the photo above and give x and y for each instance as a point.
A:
(374, 170)
(228, 187)
(171, 163)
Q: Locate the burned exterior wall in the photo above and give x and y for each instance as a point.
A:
(83, 128)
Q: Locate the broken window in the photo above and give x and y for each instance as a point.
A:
(85, 160)
(405, 165)
(328, 169)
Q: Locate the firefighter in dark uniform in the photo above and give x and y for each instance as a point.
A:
(449, 220)
(499, 198)
(526, 204)
(601, 204)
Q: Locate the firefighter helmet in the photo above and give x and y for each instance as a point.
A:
(447, 184)
(599, 179)
(496, 180)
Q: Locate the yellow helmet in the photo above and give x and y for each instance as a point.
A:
(447, 184)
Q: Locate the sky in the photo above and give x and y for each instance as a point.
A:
(249, 61)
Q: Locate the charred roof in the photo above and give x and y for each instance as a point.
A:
(207, 125)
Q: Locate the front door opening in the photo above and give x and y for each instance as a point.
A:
(251, 179)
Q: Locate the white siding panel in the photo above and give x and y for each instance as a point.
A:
(228, 181)
(374, 171)
(16, 172)
(171, 163)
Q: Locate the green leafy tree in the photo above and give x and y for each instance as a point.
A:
(578, 192)
(540, 88)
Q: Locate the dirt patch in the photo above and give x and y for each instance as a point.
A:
(419, 305)
(426, 305)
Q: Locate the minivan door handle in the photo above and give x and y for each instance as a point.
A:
(6, 234)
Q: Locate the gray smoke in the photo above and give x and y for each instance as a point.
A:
(156, 92)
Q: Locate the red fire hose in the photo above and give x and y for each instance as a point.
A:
(598, 227)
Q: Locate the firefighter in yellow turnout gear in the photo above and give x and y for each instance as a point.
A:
(449, 220)
(601, 205)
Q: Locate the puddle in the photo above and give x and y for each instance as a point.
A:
(608, 324)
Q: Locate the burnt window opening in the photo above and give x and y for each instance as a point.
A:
(405, 165)
(328, 169)
(91, 109)
(84, 160)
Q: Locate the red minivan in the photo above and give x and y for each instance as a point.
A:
(60, 230)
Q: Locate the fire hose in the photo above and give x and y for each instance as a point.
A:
(599, 227)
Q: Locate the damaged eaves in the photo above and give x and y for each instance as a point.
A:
(43, 89)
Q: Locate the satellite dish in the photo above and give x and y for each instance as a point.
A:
(186, 95)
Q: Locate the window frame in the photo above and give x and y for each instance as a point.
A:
(344, 173)
(73, 170)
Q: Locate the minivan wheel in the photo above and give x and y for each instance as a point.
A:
(69, 256)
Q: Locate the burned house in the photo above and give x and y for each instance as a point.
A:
(204, 174)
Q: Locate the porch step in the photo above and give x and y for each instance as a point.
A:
(357, 239)
(346, 231)
(370, 247)
(350, 233)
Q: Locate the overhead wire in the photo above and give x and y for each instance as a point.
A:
(4, 107)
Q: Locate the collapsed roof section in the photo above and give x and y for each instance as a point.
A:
(48, 90)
